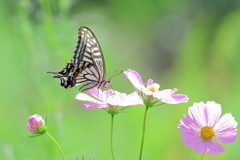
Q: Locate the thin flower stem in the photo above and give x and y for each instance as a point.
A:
(57, 145)
(143, 132)
(111, 137)
(202, 156)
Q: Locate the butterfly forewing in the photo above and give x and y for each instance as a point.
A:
(87, 64)
(92, 52)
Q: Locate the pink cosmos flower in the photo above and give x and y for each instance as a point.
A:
(152, 89)
(108, 98)
(36, 124)
(202, 128)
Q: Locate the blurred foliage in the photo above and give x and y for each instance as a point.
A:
(189, 45)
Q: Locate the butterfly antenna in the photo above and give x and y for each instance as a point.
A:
(55, 73)
(113, 74)
(116, 74)
(114, 71)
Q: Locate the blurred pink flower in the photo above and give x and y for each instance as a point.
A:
(36, 124)
(108, 98)
(202, 128)
(152, 89)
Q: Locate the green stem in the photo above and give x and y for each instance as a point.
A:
(143, 132)
(111, 137)
(202, 156)
(56, 144)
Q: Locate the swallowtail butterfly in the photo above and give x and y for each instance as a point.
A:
(87, 65)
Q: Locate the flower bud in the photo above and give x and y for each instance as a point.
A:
(36, 124)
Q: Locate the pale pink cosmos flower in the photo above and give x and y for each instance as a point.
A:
(103, 99)
(152, 89)
(36, 124)
(202, 129)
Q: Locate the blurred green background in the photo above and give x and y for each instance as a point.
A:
(190, 45)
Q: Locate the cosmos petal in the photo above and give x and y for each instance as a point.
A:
(214, 147)
(214, 111)
(94, 105)
(189, 125)
(96, 93)
(149, 82)
(134, 78)
(175, 99)
(132, 99)
(85, 97)
(225, 129)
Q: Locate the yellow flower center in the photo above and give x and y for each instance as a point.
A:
(111, 94)
(207, 133)
(153, 89)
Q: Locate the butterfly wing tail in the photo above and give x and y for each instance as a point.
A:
(55, 73)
